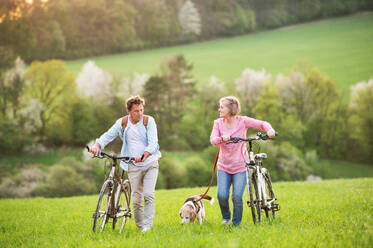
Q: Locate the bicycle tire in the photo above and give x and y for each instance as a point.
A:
(250, 193)
(257, 202)
(101, 212)
(122, 203)
(271, 193)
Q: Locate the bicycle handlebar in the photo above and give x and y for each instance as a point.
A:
(103, 155)
(259, 136)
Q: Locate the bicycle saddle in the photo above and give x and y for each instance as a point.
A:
(261, 156)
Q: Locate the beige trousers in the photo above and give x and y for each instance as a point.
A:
(143, 180)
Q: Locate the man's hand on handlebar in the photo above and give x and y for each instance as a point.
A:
(143, 157)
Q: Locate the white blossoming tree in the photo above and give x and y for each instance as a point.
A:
(131, 85)
(295, 94)
(189, 18)
(30, 116)
(95, 83)
(11, 85)
(250, 86)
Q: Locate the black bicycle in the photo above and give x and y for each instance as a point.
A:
(259, 185)
(115, 196)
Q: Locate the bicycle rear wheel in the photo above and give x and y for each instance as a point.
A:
(122, 203)
(250, 193)
(100, 216)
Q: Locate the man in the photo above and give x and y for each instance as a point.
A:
(139, 135)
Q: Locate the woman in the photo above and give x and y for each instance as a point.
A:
(232, 156)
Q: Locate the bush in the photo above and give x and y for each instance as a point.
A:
(84, 122)
(71, 177)
(9, 139)
(285, 162)
(23, 184)
(198, 172)
(170, 173)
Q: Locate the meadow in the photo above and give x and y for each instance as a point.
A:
(340, 47)
(331, 213)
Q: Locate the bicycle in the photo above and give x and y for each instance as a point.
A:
(115, 196)
(258, 178)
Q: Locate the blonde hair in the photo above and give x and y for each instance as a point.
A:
(232, 103)
(134, 100)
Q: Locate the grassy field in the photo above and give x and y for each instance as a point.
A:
(333, 213)
(328, 169)
(341, 48)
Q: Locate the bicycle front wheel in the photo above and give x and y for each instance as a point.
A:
(100, 216)
(122, 203)
(251, 203)
(257, 201)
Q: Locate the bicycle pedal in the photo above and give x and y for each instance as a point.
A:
(276, 207)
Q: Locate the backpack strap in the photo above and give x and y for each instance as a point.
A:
(125, 121)
(145, 121)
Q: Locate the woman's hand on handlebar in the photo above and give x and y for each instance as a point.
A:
(271, 133)
(95, 149)
(225, 138)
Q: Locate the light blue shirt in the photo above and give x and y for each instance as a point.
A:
(148, 134)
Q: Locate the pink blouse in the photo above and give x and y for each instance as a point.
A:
(232, 156)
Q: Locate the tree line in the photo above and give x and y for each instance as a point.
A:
(46, 106)
(73, 29)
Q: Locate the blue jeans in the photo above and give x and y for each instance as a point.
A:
(238, 181)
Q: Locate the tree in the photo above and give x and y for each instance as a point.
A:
(189, 18)
(155, 22)
(53, 86)
(131, 85)
(95, 83)
(361, 119)
(269, 108)
(249, 87)
(11, 86)
(167, 96)
(202, 110)
(313, 99)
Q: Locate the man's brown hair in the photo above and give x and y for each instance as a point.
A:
(134, 100)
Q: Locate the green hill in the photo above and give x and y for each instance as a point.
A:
(340, 47)
(332, 213)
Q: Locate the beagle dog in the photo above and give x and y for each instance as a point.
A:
(193, 208)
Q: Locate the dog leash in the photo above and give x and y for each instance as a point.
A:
(212, 178)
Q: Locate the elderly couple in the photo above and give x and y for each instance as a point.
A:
(140, 141)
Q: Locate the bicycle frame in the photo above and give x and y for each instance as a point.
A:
(257, 166)
(113, 186)
(258, 177)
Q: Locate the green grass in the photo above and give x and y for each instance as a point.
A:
(328, 169)
(340, 47)
(333, 213)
